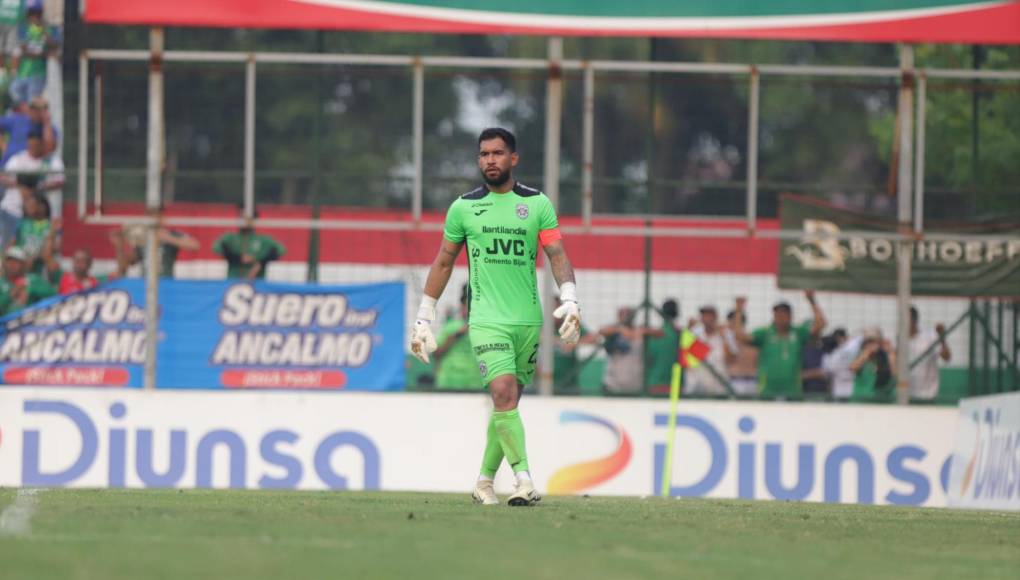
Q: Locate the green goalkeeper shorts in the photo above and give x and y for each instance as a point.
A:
(505, 350)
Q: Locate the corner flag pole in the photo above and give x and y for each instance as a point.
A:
(690, 354)
(674, 403)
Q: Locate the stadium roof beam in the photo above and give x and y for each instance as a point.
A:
(539, 64)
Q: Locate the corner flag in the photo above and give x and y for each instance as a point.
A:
(692, 351)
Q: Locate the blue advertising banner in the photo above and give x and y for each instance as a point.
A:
(213, 335)
(94, 338)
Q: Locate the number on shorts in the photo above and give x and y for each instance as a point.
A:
(534, 356)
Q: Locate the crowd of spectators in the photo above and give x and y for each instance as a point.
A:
(781, 360)
(33, 268)
(33, 180)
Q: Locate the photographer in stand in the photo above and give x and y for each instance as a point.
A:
(874, 381)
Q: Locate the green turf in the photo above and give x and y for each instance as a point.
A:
(112, 534)
(6, 496)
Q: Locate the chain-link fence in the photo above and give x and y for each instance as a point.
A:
(668, 150)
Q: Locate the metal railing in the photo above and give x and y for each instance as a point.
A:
(418, 65)
(910, 175)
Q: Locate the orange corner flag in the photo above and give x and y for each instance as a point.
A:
(692, 350)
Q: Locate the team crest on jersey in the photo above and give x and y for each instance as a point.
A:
(522, 211)
(483, 368)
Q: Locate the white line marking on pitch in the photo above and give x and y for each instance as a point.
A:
(14, 521)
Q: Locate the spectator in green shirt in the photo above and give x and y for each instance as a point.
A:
(36, 41)
(247, 253)
(457, 366)
(11, 13)
(780, 345)
(661, 352)
(874, 380)
(33, 229)
(19, 289)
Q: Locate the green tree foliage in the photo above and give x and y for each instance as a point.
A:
(972, 135)
(664, 144)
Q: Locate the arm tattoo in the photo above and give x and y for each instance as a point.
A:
(561, 268)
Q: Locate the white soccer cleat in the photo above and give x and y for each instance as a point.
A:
(484, 493)
(524, 495)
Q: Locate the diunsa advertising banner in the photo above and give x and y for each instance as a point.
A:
(869, 454)
(987, 471)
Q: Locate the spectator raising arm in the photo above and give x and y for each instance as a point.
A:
(739, 331)
(125, 256)
(863, 356)
(819, 322)
(944, 352)
(630, 331)
(179, 240)
(49, 132)
(51, 266)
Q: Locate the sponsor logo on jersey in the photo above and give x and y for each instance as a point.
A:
(522, 211)
(506, 247)
(523, 232)
(492, 346)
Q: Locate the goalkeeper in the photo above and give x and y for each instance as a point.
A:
(503, 223)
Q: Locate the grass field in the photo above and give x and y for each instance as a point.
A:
(113, 534)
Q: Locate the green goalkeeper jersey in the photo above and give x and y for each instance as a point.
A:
(502, 232)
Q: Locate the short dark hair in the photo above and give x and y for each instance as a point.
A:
(670, 309)
(254, 210)
(783, 306)
(43, 203)
(499, 133)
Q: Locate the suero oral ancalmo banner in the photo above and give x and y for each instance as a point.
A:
(212, 335)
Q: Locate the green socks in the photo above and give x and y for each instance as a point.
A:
(493, 451)
(510, 432)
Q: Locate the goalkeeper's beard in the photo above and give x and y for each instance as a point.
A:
(503, 177)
